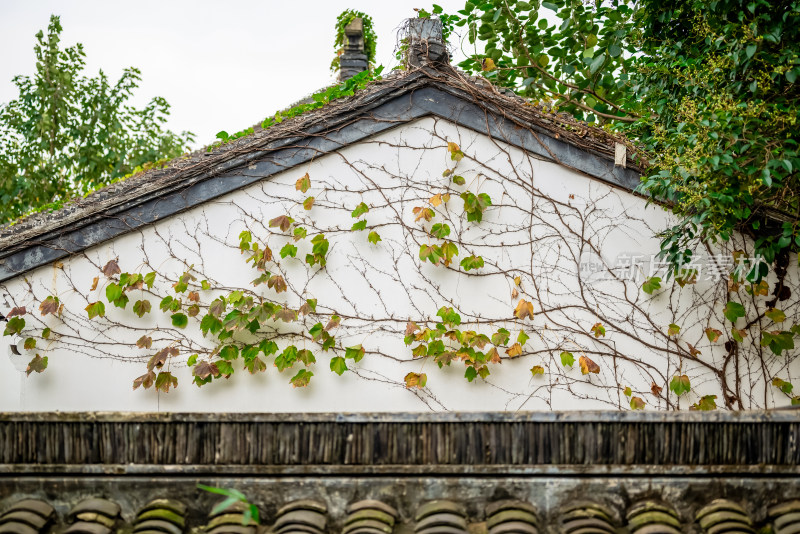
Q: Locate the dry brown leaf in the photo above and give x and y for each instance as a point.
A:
(524, 309)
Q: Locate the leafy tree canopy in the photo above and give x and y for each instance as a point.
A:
(708, 90)
(68, 134)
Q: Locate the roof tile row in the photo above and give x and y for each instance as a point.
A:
(165, 516)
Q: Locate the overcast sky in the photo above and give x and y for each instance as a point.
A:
(222, 65)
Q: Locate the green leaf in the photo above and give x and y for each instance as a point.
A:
(316, 331)
(166, 303)
(355, 353)
(37, 364)
(680, 384)
(783, 385)
(567, 359)
(140, 307)
(113, 292)
(16, 324)
(30, 343)
(501, 337)
(149, 280)
(470, 373)
(472, 262)
(733, 311)
(373, 237)
(651, 284)
(179, 320)
(95, 309)
(301, 379)
(46, 333)
(522, 338)
(706, 403)
(229, 352)
(306, 356)
(360, 210)
(267, 346)
(192, 360)
(440, 230)
(360, 225)
(165, 380)
(288, 250)
(597, 63)
(300, 233)
(430, 253)
(338, 365)
(775, 315)
(778, 341)
(287, 358)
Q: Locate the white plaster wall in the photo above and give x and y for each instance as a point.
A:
(545, 221)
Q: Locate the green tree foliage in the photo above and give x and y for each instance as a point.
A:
(68, 134)
(708, 90)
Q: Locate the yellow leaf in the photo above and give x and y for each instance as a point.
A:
(423, 213)
(588, 366)
(514, 351)
(537, 370)
(518, 280)
(598, 330)
(673, 329)
(302, 184)
(446, 198)
(523, 309)
(414, 380)
(452, 147)
(514, 293)
(436, 199)
(488, 64)
(493, 356)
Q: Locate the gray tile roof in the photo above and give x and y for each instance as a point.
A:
(507, 516)
(399, 98)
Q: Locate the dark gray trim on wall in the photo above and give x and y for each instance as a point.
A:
(415, 103)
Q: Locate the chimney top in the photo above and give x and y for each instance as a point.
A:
(424, 42)
(353, 59)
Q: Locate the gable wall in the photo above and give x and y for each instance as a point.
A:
(546, 222)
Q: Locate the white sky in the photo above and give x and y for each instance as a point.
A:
(222, 65)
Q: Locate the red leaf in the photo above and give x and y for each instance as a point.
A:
(111, 268)
(146, 380)
(18, 311)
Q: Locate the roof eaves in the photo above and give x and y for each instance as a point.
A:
(444, 92)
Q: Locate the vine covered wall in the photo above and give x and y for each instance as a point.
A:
(426, 268)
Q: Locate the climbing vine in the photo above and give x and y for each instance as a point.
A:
(426, 252)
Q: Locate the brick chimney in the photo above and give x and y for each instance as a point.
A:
(424, 43)
(353, 60)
